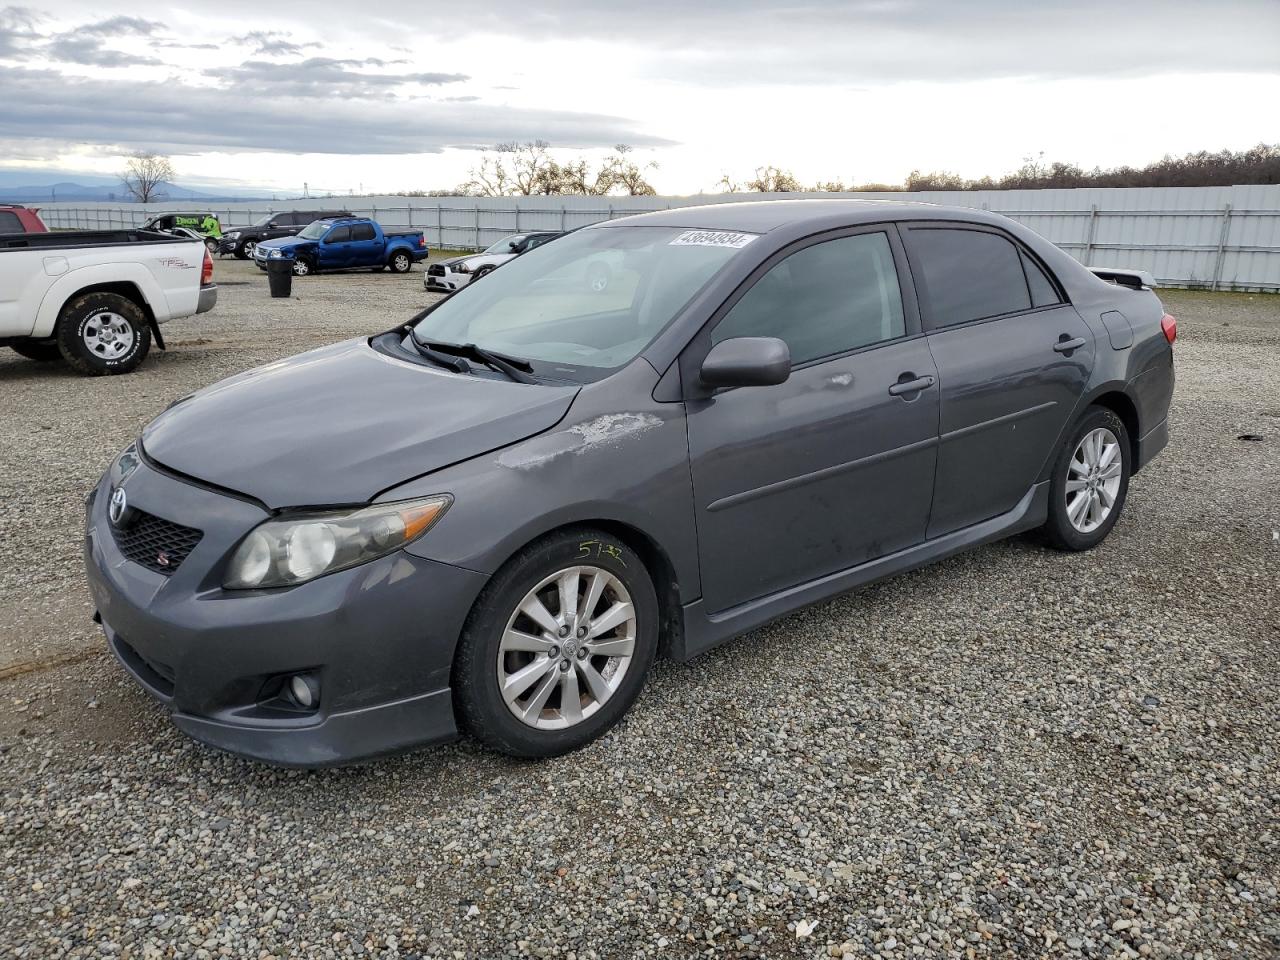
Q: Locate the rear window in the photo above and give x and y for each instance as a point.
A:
(9, 222)
(968, 274)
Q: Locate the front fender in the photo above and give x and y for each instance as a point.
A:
(71, 283)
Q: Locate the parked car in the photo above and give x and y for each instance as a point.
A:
(511, 503)
(202, 225)
(209, 242)
(17, 219)
(97, 298)
(345, 243)
(242, 240)
(456, 272)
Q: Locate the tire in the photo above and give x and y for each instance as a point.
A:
(400, 262)
(482, 664)
(91, 328)
(245, 250)
(1080, 517)
(303, 268)
(41, 350)
(482, 272)
(212, 246)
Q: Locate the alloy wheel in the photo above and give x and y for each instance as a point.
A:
(108, 335)
(1093, 479)
(566, 648)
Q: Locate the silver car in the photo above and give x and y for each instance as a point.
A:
(454, 274)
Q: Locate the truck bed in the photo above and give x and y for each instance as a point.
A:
(84, 238)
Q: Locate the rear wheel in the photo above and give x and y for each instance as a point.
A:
(400, 262)
(42, 350)
(556, 649)
(1090, 482)
(103, 333)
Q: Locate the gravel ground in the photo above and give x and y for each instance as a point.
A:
(1013, 753)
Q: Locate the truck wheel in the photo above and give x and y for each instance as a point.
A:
(302, 268)
(103, 333)
(400, 262)
(42, 350)
(245, 250)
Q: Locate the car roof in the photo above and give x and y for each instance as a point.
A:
(762, 216)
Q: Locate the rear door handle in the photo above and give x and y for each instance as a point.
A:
(1066, 346)
(910, 386)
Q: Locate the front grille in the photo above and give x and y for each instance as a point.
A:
(158, 544)
(435, 270)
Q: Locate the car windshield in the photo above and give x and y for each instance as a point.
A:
(315, 230)
(263, 221)
(503, 245)
(591, 301)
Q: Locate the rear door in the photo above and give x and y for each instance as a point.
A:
(1013, 360)
(365, 251)
(835, 466)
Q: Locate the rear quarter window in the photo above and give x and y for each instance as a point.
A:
(968, 274)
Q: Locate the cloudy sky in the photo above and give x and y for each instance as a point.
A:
(351, 96)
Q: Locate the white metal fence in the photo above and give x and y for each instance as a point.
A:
(1221, 238)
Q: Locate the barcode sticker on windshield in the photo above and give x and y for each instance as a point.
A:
(712, 238)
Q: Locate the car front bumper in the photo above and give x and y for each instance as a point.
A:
(447, 283)
(378, 638)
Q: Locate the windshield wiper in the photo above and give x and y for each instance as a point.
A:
(456, 364)
(517, 368)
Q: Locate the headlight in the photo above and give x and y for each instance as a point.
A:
(233, 235)
(460, 268)
(125, 464)
(275, 253)
(291, 550)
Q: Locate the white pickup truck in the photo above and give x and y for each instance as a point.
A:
(96, 298)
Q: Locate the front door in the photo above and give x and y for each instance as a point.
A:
(1013, 360)
(335, 249)
(835, 466)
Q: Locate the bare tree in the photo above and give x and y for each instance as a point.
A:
(771, 179)
(621, 171)
(145, 175)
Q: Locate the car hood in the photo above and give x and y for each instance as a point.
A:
(340, 424)
(281, 242)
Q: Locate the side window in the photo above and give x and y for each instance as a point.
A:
(968, 274)
(829, 298)
(338, 235)
(362, 231)
(1042, 292)
(9, 222)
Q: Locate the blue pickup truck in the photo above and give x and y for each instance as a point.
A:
(345, 243)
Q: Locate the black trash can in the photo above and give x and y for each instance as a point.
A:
(280, 276)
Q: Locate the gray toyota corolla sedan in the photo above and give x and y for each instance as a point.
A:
(495, 516)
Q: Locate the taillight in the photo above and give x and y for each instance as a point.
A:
(1170, 327)
(206, 272)
(422, 241)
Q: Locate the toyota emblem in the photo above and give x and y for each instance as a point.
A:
(119, 506)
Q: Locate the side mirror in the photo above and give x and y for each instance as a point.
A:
(746, 362)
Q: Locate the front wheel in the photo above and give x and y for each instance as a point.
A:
(558, 644)
(400, 262)
(302, 268)
(245, 250)
(103, 333)
(212, 246)
(1090, 482)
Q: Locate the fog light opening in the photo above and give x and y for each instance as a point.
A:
(304, 690)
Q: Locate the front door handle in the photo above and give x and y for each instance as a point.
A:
(1066, 346)
(913, 385)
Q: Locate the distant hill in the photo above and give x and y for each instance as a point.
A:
(66, 192)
